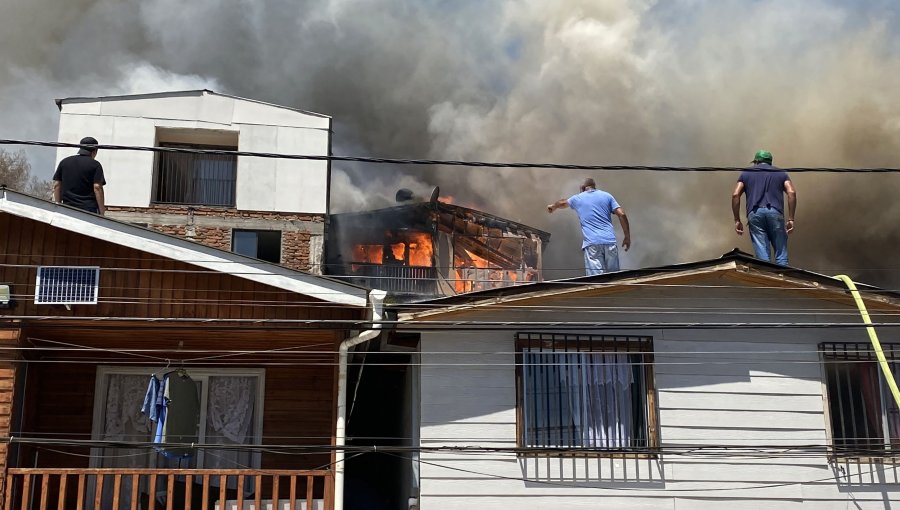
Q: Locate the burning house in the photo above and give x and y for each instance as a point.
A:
(432, 248)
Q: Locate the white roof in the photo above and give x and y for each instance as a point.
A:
(150, 241)
(173, 93)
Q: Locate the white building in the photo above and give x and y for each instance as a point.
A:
(273, 209)
(716, 384)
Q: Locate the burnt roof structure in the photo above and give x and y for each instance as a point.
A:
(433, 249)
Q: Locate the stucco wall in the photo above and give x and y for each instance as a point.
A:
(263, 184)
(725, 386)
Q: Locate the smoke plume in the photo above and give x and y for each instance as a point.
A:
(580, 81)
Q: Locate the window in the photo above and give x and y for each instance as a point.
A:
(586, 391)
(865, 420)
(259, 244)
(65, 285)
(195, 179)
(230, 413)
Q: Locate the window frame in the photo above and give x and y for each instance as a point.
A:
(197, 374)
(256, 232)
(157, 162)
(589, 342)
(854, 352)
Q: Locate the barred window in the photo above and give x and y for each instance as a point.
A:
(195, 179)
(586, 391)
(864, 418)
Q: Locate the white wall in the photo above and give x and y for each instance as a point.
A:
(263, 184)
(747, 395)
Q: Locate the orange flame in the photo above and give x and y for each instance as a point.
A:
(371, 253)
(417, 245)
(420, 249)
(446, 199)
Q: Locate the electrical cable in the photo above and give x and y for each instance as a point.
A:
(436, 162)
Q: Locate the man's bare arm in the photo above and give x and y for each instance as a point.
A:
(559, 204)
(736, 208)
(626, 228)
(792, 205)
(57, 191)
(101, 203)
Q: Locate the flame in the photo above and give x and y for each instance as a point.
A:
(421, 249)
(479, 262)
(446, 200)
(371, 253)
(417, 245)
(398, 250)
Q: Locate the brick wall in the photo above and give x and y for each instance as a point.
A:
(213, 227)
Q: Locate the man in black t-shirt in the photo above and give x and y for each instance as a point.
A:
(79, 180)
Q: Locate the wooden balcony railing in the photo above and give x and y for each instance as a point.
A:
(167, 489)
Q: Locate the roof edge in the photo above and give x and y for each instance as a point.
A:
(59, 102)
(176, 248)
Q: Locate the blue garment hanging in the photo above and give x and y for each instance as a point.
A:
(156, 406)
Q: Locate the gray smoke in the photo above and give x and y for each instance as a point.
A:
(580, 81)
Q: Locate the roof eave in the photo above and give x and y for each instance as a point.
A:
(151, 241)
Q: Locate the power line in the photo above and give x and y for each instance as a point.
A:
(458, 325)
(439, 162)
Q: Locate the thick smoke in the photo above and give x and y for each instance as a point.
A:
(673, 83)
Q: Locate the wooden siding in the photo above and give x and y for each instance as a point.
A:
(715, 386)
(138, 284)
(8, 338)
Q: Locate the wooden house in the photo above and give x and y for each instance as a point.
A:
(95, 306)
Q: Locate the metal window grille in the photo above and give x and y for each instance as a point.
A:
(195, 179)
(61, 285)
(586, 392)
(863, 416)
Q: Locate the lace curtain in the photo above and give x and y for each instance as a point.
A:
(229, 420)
(124, 421)
(581, 399)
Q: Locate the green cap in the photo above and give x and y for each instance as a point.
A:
(762, 155)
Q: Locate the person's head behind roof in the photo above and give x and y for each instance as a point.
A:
(762, 156)
(588, 183)
(87, 140)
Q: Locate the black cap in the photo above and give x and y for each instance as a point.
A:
(87, 140)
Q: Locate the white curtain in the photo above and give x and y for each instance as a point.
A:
(229, 420)
(123, 421)
(579, 399)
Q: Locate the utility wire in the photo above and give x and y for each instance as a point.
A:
(438, 162)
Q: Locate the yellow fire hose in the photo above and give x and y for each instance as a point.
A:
(882, 361)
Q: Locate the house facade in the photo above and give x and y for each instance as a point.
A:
(266, 208)
(96, 306)
(728, 383)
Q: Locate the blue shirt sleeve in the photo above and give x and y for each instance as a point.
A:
(613, 205)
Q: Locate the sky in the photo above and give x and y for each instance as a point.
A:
(676, 82)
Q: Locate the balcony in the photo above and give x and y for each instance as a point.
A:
(167, 489)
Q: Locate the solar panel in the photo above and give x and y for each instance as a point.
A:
(62, 285)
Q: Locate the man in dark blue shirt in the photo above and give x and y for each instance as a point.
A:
(765, 186)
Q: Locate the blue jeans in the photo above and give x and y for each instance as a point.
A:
(601, 258)
(767, 226)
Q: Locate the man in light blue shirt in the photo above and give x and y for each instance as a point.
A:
(595, 209)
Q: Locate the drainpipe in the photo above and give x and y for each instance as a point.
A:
(377, 299)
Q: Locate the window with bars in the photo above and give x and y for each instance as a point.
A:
(195, 179)
(591, 392)
(865, 420)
